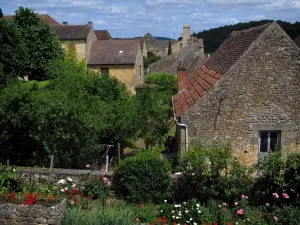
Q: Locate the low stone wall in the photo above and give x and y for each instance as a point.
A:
(13, 214)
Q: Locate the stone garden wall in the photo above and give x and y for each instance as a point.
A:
(13, 214)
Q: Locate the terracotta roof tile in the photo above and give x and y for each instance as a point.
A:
(215, 67)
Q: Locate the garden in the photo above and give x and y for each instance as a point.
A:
(212, 188)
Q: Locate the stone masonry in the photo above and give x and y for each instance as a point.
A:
(261, 91)
(13, 214)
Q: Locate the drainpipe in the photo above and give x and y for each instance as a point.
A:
(181, 125)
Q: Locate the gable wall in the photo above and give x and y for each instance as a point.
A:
(80, 47)
(138, 69)
(90, 39)
(261, 92)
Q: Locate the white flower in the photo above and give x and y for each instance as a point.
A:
(66, 188)
(179, 212)
(165, 201)
(197, 205)
(73, 185)
(177, 217)
(184, 203)
(248, 219)
(194, 223)
(193, 174)
(14, 170)
(69, 179)
(62, 181)
(191, 218)
(199, 211)
(176, 206)
(186, 211)
(88, 166)
(179, 205)
(161, 210)
(72, 202)
(173, 216)
(62, 190)
(237, 223)
(173, 211)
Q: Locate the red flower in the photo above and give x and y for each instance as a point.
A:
(67, 192)
(141, 205)
(229, 223)
(99, 196)
(224, 209)
(70, 196)
(29, 201)
(75, 201)
(174, 223)
(137, 219)
(215, 223)
(75, 192)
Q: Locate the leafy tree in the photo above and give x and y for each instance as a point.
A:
(1, 13)
(148, 61)
(41, 41)
(169, 48)
(13, 53)
(71, 116)
(164, 82)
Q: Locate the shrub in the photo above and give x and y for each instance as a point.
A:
(211, 171)
(292, 173)
(143, 178)
(8, 180)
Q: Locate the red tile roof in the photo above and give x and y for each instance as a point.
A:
(215, 67)
(103, 35)
(52, 22)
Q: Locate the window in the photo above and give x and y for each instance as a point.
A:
(269, 141)
(105, 71)
(140, 70)
(121, 52)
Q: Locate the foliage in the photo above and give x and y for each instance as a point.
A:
(271, 180)
(169, 48)
(143, 178)
(1, 13)
(13, 52)
(210, 171)
(214, 37)
(42, 43)
(292, 173)
(8, 179)
(148, 61)
(164, 82)
(97, 188)
(70, 116)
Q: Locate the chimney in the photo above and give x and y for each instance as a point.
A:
(181, 76)
(186, 34)
(65, 24)
(90, 24)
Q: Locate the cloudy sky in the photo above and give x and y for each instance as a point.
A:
(131, 18)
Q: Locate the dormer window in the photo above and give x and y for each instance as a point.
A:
(121, 52)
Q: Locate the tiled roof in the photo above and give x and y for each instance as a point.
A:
(215, 67)
(297, 40)
(141, 40)
(52, 22)
(72, 32)
(108, 52)
(103, 35)
(169, 64)
(196, 65)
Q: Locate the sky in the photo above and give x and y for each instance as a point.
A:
(164, 18)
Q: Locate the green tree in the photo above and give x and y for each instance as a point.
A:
(1, 13)
(169, 48)
(13, 53)
(41, 41)
(164, 82)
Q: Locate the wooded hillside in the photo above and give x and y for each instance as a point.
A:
(214, 37)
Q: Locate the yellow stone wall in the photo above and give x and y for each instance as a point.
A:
(124, 73)
(80, 47)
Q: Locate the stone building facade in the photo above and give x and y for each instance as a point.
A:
(122, 59)
(247, 93)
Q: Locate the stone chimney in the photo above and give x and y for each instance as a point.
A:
(181, 76)
(65, 24)
(186, 34)
(90, 24)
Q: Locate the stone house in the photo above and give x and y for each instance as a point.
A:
(247, 93)
(78, 38)
(103, 35)
(297, 40)
(122, 59)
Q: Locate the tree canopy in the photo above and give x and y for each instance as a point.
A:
(42, 43)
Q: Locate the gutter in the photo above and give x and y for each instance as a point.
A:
(181, 125)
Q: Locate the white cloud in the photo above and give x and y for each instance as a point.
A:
(99, 22)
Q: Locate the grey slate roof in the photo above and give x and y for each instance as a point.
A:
(169, 64)
(72, 32)
(108, 52)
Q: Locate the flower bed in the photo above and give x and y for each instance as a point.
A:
(15, 214)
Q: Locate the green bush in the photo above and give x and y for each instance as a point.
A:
(292, 173)
(211, 172)
(8, 180)
(143, 178)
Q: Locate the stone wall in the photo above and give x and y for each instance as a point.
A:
(13, 214)
(138, 69)
(90, 39)
(124, 73)
(80, 47)
(260, 92)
